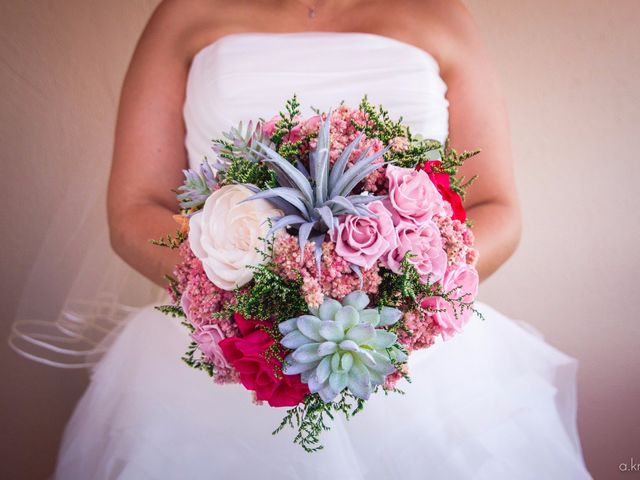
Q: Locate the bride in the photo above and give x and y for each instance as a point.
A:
(495, 401)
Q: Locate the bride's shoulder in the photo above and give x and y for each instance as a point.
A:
(189, 24)
(445, 28)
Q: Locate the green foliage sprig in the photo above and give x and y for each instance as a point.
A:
(169, 241)
(381, 126)
(171, 310)
(287, 121)
(173, 286)
(405, 290)
(241, 170)
(396, 290)
(193, 359)
(290, 150)
(379, 123)
(270, 297)
(451, 163)
(310, 418)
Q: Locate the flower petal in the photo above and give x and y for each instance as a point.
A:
(287, 326)
(383, 339)
(379, 363)
(349, 346)
(323, 370)
(358, 299)
(399, 355)
(331, 331)
(346, 362)
(310, 326)
(295, 339)
(370, 315)
(359, 382)
(335, 362)
(327, 348)
(376, 378)
(314, 385)
(347, 317)
(389, 316)
(327, 394)
(329, 308)
(293, 367)
(306, 353)
(306, 375)
(338, 381)
(361, 333)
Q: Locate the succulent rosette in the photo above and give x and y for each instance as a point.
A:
(338, 346)
(318, 253)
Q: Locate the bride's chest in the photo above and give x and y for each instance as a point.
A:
(247, 76)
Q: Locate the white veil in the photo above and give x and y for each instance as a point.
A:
(78, 291)
(66, 64)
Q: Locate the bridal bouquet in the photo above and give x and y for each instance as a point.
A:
(317, 254)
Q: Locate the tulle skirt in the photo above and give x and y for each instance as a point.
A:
(494, 402)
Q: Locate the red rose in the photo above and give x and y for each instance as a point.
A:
(246, 355)
(443, 184)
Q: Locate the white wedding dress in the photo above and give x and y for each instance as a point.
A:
(495, 402)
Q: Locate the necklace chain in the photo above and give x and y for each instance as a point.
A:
(311, 9)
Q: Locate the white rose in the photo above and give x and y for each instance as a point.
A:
(224, 235)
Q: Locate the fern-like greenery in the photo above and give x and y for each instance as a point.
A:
(379, 123)
(270, 296)
(451, 163)
(242, 171)
(193, 359)
(287, 121)
(310, 418)
(169, 241)
(405, 290)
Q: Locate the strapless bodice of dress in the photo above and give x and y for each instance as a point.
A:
(246, 76)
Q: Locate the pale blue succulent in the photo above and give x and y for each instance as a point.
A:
(197, 186)
(338, 347)
(240, 143)
(313, 199)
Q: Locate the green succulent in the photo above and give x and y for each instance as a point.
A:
(240, 144)
(197, 186)
(338, 347)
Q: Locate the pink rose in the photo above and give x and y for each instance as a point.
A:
(425, 243)
(185, 304)
(363, 240)
(460, 282)
(208, 338)
(412, 196)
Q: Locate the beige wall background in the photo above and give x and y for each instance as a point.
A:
(570, 73)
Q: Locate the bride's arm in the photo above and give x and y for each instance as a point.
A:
(149, 151)
(478, 120)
